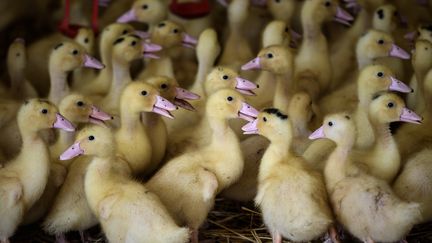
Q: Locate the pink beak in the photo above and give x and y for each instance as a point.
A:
(399, 86)
(129, 16)
(253, 64)
(72, 152)
(98, 117)
(409, 116)
(251, 127)
(343, 16)
(92, 62)
(247, 112)
(149, 48)
(189, 41)
(245, 86)
(62, 123)
(396, 51)
(319, 133)
(182, 95)
(163, 107)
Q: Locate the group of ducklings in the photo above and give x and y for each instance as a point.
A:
(157, 155)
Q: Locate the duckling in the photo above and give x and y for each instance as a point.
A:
(278, 60)
(364, 205)
(21, 186)
(77, 109)
(188, 184)
(423, 33)
(236, 50)
(218, 78)
(127, 211)
(151, 12)
(125, 49)
(382, 158)
(20, 88)
(281, 170)
(185, 136)
(156, 127)
(282, 10)
(169, 36)
(313, 69)
(413, 183)
(207, 50)
(65, 57)
(132, 138)
(422, 63)
(86, 40)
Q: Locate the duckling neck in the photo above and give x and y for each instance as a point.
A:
(99, 177)
(121, 77)
(300, 128)
(420, 93)
(161, 66)
(130, 120)
(222, 135)
(16, 78)
(204, 67)
(364, 97)
(337, 164)
(150, 119)
(59, 87)
(277, 152)
(282, 92)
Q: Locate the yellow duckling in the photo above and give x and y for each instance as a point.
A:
(127, 211)
(364, 205)
(190, 182)
(24, 178)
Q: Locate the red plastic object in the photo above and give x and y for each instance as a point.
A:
(190, 10)
(71, 30)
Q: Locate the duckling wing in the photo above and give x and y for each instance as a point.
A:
(11, 190)
(105, 206)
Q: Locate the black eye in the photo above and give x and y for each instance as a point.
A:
(86, 40)
(18, 54)
(125, 32)
(133, 43)
(91, 138)
(278, 1)
(286, 30)
(269, 55)
(44, 111)
(381, 42)
(225, 77)
(145, 6)
(143, 93)
(380, 74)
(396, 13)
(161, 25)
(229, 98)
(390, 105)
(175, 31)
(330, 124)
(347, 117)
(80, 103)
(264, 119)
(327, 4)
(75, 52)
(164, 86)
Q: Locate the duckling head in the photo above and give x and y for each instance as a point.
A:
(388, 107)
(169, 34)
(386, 18)
(16, 59)
(339, 127)
(324, 11)
(171, 90)
(79, 109)
(86, 38)
(36, 114)
(270, 123)
(224, 77)
(375, 44)
(139, 97)
(422, 56)
(115, 30)
(378, 78)
(70, 55)
(229, 104)
(92, 140)
(277, 59)
(281, 9)
(128, 48)
(278, 33)
(145, 11)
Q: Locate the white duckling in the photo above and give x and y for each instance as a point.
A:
(364, 205)
(305, 215)
(64, 58)
(24, 178)
(127, 211)
(190, 182)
